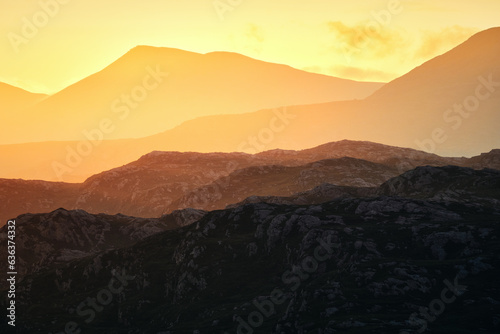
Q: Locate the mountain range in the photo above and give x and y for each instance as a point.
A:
(150, 89)
(358, 263)
(161, 182)
(448, 105)
(178, 192)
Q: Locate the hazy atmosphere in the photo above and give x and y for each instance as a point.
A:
(237, 166)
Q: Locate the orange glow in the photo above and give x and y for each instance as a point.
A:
(205, 71)
(82, 37)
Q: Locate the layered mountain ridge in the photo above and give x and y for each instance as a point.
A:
(448, 106)
(161, 182)
(359, 263)
(151, 89)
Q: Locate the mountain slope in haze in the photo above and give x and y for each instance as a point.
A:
(433, 108)
(16, 98)
(357, 265)
(396, 156)
(151, 89)
(164, 181)
(13, 101)
(405, 113)
(161, 182)
(428, 109)
(454, 72)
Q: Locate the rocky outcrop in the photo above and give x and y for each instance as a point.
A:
(47, 240)
(352, 264)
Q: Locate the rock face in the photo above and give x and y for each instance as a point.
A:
(46, 240)
(376, 263)
(161, 182)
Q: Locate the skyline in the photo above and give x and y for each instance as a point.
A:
(78, 39)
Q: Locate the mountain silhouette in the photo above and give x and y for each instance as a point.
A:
(151, 89)
(161, 182)
(425, 109)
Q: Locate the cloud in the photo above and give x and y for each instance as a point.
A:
(255, 37)
(373, 41)
(369, 52)
(434, 43)
(369, 39)
(249, 39)
(255, 33)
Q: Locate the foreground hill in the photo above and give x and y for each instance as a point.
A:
(63, 235)
(55, 238)
(357, 265)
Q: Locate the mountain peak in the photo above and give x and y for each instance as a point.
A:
(477, 56)
(151, 48)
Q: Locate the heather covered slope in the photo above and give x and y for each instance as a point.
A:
(357, 265)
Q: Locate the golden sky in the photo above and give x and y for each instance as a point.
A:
(46, 45)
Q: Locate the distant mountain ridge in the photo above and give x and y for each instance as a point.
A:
(433, 108)
(454, 72)
(12, 101)
(152, 89)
